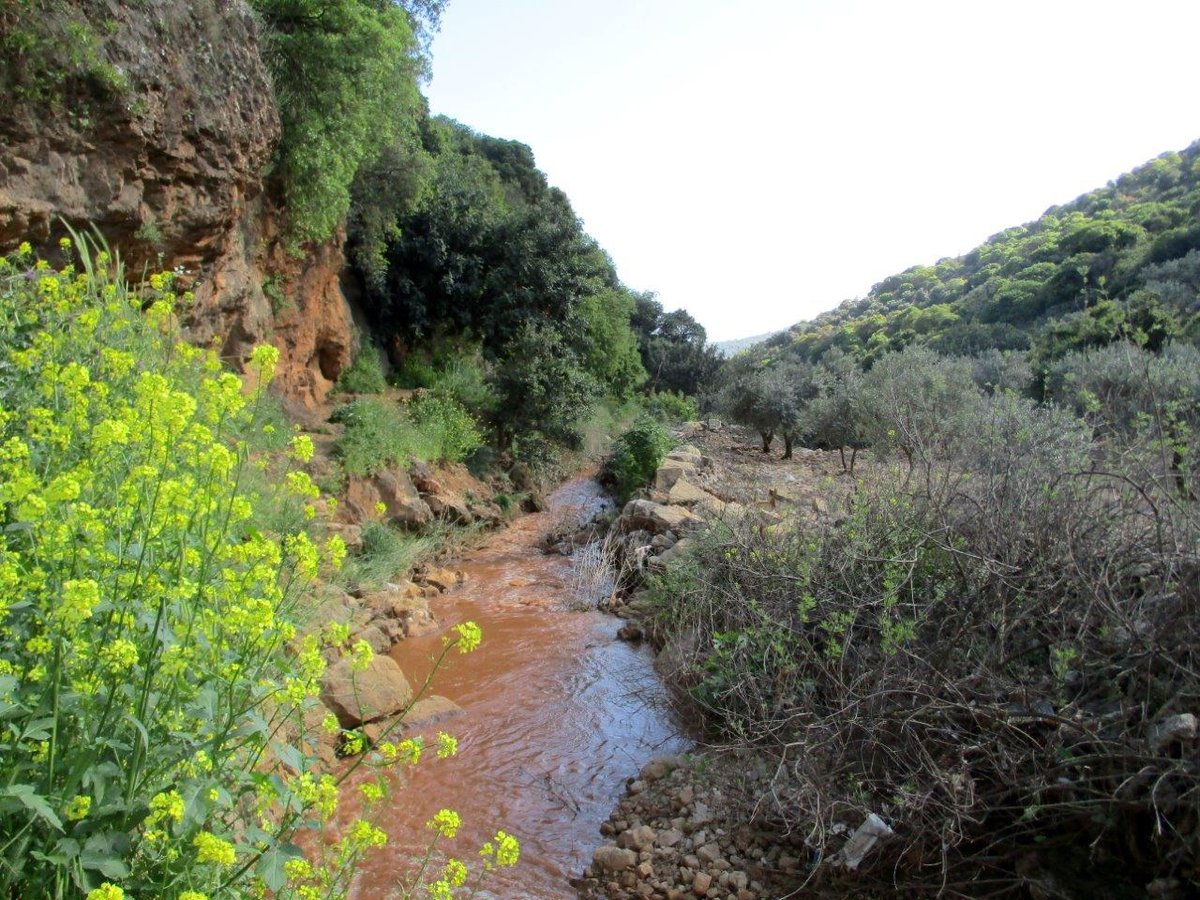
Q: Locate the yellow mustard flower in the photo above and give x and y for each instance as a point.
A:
(469, 636)
(212, 849)
(447, 745)
(78, 808)
(445, 822)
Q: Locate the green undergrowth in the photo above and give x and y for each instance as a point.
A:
(387, 554)
(636, 455)
(365, 374)
(379, 433)
(984, 645)
(159, 549)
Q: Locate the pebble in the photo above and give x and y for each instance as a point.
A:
(666, 844)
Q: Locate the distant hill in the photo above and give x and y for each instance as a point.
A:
(729, 348)
(1122, 260)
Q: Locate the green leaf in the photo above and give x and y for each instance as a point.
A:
(101, 854)
(34, 802)
(271, 863)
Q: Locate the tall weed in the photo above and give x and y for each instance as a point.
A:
(156, 670)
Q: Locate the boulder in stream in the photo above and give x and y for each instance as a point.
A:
(381, 690)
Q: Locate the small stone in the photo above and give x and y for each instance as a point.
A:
(613, 859)
(709, 853)
(640, 838)
(636, 787)
(1174, 728)
(630, 633)
(701, 883)
(670, 837)
(659, 767)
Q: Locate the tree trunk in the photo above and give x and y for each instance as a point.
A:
(853, 456)
(787, 446)
(767, 437)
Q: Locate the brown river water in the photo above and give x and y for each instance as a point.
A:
(557, 714)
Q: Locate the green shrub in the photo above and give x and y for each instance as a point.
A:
(386, 554)
(463, 377)
(673, 407)
(444, 430)
(365, 374)
(377, 435)
(345, 79)
(604, 422)
(636, 456)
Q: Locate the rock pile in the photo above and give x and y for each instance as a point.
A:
(382, 618)
(675, 835)
(414, 498)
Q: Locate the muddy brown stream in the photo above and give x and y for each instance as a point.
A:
(557, 715)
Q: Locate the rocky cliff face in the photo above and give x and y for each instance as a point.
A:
(167, 159)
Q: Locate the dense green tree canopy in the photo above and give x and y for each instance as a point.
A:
(345, 75)
(674, 348)
(1112, 263)
(488, 246)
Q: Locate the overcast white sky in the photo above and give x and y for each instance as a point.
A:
(758, 162)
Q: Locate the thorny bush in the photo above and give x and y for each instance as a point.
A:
(997, 657)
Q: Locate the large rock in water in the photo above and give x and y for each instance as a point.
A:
(379, 691)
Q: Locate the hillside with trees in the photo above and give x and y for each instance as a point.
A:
(985, 649)
(1118, 262)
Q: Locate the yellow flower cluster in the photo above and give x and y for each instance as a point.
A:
(147, 595)
(106, 891)
(503, 851)
(141, 597)
(469, 636)
(445, 822)
(212, 849)
(447, 745)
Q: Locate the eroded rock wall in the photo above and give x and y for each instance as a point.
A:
(171, 166)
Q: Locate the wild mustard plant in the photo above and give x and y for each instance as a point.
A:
(153, 677)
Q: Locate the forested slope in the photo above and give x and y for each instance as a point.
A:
(1117, 261)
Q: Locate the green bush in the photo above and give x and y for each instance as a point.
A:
(636, 456)
(345, 75)
(365, 374)
(445, 431)
(463, 378)
(386, 554)
(673, 407)
(377, 435)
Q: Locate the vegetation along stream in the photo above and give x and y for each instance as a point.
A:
(557, 714)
